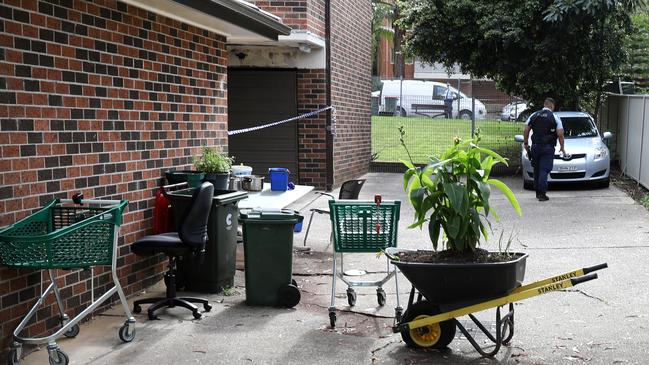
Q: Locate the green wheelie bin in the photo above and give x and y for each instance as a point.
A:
(268, 252)
(215, 270)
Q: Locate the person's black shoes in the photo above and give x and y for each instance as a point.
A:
(542, 197)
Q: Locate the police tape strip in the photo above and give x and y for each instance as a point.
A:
(303, 116)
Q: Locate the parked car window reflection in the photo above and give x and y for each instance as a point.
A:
(577, 127)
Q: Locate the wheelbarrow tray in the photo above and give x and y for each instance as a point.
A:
(447, 283)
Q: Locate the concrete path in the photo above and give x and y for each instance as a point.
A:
(600, 322)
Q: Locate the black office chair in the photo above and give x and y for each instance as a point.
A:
(348, 190)
(190, 239)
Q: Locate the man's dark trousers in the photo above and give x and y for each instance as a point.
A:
(543, 157)
(448, 108)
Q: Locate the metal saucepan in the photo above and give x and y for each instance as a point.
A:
(234, 183)
(252, 182)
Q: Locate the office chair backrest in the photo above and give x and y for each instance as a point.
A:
(193, 227)
(350, 189)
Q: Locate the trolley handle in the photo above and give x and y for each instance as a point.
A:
(588, 270)
(92, 201)
(583, 279)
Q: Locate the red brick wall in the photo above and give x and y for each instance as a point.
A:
(316, 17)
(311, 93)
(293, 13)
(351, 68)
(98, 97)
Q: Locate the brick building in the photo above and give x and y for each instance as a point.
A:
(103, 96)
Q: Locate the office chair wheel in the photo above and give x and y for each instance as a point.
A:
(124, 335)
(137, 309)
(381, 296)
(351, 297)
(332, 319)
(61, 358)
(197, 314)
(289, 296)
(152, 316)
(207, 307)
(72, 332)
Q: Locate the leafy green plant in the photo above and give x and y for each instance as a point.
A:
(213, 161)
(452, 193)
(645, 201)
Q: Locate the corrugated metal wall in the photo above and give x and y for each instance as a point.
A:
(628, 117)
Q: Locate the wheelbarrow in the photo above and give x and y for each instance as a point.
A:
(430, 321)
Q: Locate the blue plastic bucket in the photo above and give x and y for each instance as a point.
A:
(278, 178)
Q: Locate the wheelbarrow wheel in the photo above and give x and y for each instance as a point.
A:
(433, 336)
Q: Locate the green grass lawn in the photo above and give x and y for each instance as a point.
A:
(431, 136)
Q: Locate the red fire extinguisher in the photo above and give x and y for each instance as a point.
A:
(161, 212)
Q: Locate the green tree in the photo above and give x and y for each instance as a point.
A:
(531, 48)
(637, 45)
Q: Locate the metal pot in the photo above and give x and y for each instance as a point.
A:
(234, 183)
(252, 183)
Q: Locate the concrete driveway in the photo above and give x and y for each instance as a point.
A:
(604, 321)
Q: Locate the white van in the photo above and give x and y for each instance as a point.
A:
(426, 98)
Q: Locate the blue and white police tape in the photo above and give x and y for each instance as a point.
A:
(307, 115)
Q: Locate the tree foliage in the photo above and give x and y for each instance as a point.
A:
(637, 45)
(565, 49)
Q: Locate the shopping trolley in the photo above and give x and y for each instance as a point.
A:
(363, 226)
(65, 234)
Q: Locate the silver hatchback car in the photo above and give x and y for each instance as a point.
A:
(589, 159)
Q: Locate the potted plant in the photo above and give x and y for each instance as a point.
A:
(216, 166)
(450, 197)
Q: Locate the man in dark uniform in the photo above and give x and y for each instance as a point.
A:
(546, 130)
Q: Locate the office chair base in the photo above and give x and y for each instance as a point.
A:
(185, 302)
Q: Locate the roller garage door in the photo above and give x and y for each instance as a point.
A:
(256, 97)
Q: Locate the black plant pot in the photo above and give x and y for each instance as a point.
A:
(218, 179)
(444, 283)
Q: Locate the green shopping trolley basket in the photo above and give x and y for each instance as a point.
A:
(363, 226)
(65, 234)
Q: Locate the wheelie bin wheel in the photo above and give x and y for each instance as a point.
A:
(332, 319)
(381, 296)
(72, 332)
(289, 296)
(351, 297)
(13, 357)
(433, 336)
(124, 335)
(61, 358)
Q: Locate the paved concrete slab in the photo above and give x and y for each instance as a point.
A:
(600, 322)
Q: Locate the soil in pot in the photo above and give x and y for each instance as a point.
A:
(454, 257)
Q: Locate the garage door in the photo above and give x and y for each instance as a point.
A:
(256, 97)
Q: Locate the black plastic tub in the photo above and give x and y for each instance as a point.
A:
(443, 283)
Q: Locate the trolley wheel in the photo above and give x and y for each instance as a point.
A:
(434, 336)
(381, 297)
(197, 314)
(137, 309)
(13, 357)
(332, 319)
(207, 307)
(398, 313)
(289, 296)
(62, 358)
(124, 335)
(351, 297)
(72, 332)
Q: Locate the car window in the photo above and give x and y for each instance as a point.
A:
(438, 92)
(576, 127)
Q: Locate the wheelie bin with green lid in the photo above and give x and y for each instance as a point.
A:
(215, 270)
(268, 251)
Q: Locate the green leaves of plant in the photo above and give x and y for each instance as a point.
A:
(457, 196)
(509, 194)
